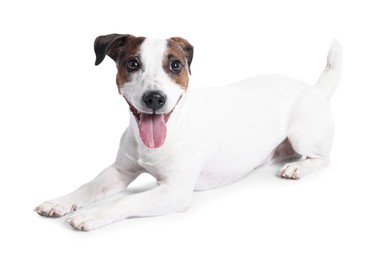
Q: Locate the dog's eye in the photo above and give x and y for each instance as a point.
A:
(175, 66)
(133, 65)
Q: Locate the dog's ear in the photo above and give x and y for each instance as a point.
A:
(110, 45)
(187, 48)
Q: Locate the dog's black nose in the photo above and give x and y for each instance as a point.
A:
(154, 100)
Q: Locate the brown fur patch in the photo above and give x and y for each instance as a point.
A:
(132, 49)
(187, 48)
(176, 52)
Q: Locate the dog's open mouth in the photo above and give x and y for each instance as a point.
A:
(152, 127)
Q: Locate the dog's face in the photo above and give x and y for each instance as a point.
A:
(152, 76)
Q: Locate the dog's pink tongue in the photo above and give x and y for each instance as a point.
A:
(152, 129)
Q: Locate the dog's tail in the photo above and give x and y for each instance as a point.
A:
(329, 78)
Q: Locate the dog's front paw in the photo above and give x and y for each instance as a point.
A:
(87, 220)
(291, 171)
(55, 208)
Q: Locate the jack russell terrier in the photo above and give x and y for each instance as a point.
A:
(198, 139)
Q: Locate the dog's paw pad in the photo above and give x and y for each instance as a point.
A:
(291, 171)
(54, 209)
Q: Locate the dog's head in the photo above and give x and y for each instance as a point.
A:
(152, 76)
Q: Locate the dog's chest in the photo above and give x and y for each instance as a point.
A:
(151, 161)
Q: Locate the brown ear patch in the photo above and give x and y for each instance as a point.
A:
(131, 49)
(187, 48)
(175, 52)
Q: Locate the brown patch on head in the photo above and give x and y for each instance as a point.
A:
(132, 50)
(121, 48)
(178, 51)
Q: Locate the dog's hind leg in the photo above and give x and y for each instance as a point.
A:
(310, 134)
(315, 155)
(310, 129)
(298, 169)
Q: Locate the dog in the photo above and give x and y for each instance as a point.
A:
(198, 139)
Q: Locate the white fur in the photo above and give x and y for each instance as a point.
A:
(215, 136)
(152, 77)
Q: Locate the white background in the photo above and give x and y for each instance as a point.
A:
(61, 120)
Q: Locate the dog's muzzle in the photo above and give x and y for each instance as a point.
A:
(152, 126)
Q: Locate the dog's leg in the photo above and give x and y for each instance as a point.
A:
(168, 197)
(313, 145)
(310, 134)
(296, 170)
(108, 182)
(315, 150)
